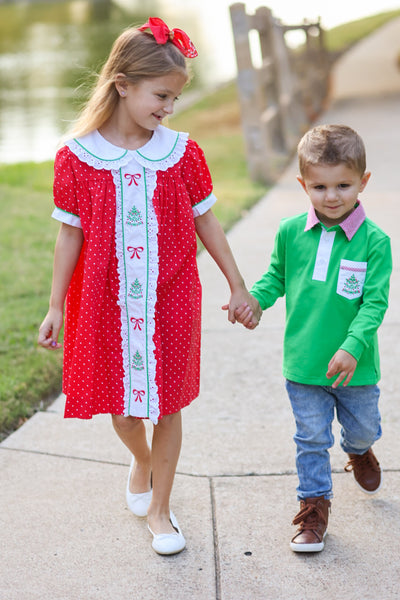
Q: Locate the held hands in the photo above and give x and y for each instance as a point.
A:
(50, 329)
(245, 310)
(343, 364)
(249, 315)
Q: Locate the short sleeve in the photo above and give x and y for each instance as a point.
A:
(64, 189)
(197, 178)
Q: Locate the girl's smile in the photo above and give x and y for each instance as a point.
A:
(333, 190)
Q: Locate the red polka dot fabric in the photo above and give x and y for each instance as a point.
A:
(94, 378)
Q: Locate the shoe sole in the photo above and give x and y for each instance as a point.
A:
(308, 547)
(171, 545)
(369, 492)
(168, 544)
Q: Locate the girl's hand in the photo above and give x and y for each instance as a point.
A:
(50, 329)
(344, 364)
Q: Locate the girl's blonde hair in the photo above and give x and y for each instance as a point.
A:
(138, 56)
(332, 145)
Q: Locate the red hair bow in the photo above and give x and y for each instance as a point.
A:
(163, 34)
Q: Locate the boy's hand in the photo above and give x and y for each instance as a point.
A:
(244, 315)
(249, 316)
(344, 364)
(247, 313)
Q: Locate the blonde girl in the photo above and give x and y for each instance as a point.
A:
(131, 195)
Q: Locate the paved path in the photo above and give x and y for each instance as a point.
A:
(65, 531)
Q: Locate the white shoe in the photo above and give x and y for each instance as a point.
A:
(168, 543)
(137, 503)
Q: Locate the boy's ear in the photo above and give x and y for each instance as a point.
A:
(302, 183)
(364, 180)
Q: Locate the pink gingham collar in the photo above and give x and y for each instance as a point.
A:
(350, 225)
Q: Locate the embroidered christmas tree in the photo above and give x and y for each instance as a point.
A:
(137, 361)
(134, 217)
(135, 290)
(351, 285)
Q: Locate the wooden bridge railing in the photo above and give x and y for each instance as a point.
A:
(280, 98)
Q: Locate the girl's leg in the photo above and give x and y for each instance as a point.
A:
(166, 446)
(132, 433)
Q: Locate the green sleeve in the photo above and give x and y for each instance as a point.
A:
(271, 285)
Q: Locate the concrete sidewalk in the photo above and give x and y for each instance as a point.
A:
(66, 533)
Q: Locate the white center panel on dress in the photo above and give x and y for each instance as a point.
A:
(137, 253)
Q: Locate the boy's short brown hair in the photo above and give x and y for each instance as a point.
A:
(332, 145)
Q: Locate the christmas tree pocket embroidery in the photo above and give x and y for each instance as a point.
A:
(351, 279)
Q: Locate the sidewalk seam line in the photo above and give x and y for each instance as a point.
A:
(217, 564)
(336, 471)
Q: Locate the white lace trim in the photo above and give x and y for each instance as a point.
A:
(86, 156)
(175, 145)
(162, 151)
(152, 240)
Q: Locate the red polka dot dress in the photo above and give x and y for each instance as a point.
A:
(133, 308)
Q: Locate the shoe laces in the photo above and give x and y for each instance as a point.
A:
(309, 517)
(362, 463)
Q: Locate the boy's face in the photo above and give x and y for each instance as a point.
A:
(333, 191)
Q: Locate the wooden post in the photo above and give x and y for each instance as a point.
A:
(277, 101)
(292, 116)
(271, 116)
(257, 116)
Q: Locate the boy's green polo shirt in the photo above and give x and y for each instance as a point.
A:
(336, 283)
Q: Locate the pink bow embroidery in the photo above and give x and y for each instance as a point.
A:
(163, 34)
(132, 178)
(135, 251)
(139, 394)
(137, 323)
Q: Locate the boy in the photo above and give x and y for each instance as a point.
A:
(333, 264)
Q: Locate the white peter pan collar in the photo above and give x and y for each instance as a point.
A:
(165, 148)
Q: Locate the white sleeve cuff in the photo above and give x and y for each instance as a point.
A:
(66, 217)
(202, 207)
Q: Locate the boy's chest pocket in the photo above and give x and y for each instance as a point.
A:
(351, 278)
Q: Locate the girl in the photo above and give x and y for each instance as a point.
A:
(130, 195)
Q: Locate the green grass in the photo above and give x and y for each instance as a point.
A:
(29, 376)
(214, 123)
(342, 37)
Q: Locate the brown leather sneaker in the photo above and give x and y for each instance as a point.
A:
(366, 471)
(313, 521)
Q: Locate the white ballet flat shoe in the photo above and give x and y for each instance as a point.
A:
(137, 503)
(168, 543)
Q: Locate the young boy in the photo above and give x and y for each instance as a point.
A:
(334, 266)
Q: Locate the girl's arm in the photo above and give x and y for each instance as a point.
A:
(213, 237)
(68, 247)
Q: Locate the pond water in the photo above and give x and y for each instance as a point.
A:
(48, 51)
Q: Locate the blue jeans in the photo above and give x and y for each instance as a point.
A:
(313, 408)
